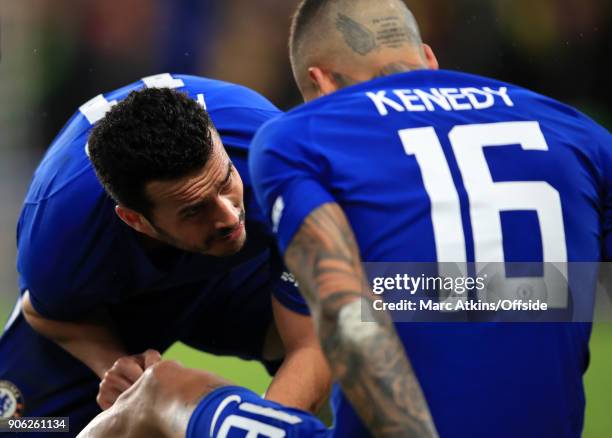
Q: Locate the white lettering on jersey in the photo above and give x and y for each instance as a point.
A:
(502, 92)
(163, 80)
(288, 277)
(408, 98)
(434, 96)
(447, 99)
(96, 108)
(472, 95)
(381, 101)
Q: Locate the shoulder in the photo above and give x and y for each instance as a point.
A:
(236, 111)
(219, 95)
(286, 129)
(69, 247)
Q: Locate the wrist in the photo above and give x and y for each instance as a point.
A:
(105, 362)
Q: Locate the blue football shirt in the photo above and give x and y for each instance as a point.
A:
(74, 253)
(76, 256)
(439, 166)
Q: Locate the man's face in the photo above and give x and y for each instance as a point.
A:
(202, 212)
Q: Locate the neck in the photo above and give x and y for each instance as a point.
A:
(397, 67)
(147, 242)
(345, 80)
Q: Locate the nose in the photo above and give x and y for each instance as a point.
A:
(227, 215)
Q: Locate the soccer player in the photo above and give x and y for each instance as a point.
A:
(174, 249)
(414, 164)
(397, 161)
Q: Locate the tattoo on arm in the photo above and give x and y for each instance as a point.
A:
(366, 357)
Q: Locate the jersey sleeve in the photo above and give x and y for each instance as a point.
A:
(604, 140)
(283, 285)
(288, 176)
(285, 290)
(65, 255)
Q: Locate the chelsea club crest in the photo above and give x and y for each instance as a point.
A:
(11, 400)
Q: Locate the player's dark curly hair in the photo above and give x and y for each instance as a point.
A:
(154, 134)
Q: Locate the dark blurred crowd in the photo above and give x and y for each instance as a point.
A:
(560, 48)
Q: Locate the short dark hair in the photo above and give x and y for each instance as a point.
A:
(153, 134)
(304, 15)
(323, 31)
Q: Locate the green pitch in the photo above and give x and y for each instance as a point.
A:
(598, 382)
(245, 373)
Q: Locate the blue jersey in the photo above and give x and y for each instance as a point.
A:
(74, 253)
(76, 256)
(438, 166)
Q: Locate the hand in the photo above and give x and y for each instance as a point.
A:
(124, 372)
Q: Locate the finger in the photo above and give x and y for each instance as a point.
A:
(151, 357)
(139, 359)
(106, 397)
(104, 401)
(110, 395)
(117, 381)
(100, 399)
(129, 368)
(110, 389)
(104, 405)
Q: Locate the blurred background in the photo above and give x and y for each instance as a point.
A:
(57, 54)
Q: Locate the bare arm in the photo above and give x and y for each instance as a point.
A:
(159, 404)
(91, 341)
(367, 358)
(304, 379)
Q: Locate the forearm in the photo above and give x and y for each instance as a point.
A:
(96, 346)
(159, 404)
(90, 341)
(303, 381)
(367, 358)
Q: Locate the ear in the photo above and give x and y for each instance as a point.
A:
(322, 81)
(134, 219)
(430, 57)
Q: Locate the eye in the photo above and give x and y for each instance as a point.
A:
(228, 183)
(191, 212)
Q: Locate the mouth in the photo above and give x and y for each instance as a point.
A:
(235, 233)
